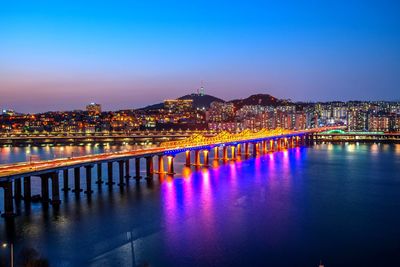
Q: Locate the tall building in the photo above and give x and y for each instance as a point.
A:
(378, 123)
(93, 109)
(357, 120)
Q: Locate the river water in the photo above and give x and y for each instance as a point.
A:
(336, 203)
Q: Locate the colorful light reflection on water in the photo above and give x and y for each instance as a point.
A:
(338, 203)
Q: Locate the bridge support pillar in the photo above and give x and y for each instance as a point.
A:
(149, 167)
(45, 187)
(216, 153)
(127, 169)
(171, 165)
(206, 157)
(27, 188)
(65, 180)
(88, 169)
(246, 149)
(8, 199)
(77, 180)
(17, 189)
(137, 169)
(161, 164)
(233, 154)
(239, 150)
(225, 153)
(187, 158)
(121, 173)
(278, 144)
(255, 149)
(55, 189)
(264, 146)
(110, 173)
(99, 173)
(197, 158)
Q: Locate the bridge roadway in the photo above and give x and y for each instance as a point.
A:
(366, 137)
(22, 139)
(13, 176)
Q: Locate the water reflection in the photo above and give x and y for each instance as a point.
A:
(19, 154)
(242, 213)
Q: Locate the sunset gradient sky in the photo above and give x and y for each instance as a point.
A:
(55, 55)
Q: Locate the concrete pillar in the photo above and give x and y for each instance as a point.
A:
(127, 169)
(161, 164)
(137, 169)
(88, 169)
(65, 180)
(264, 146)
(206, 157)
(55, 189)
(233, 156)
(110, 173)
(121, 173)
(271, 145)
(278, 144)
(187, 158)
(99, 173)
(8, 200)
(149, 167)
(77, 180)
(45, 187)
(224, 153)
(239, 150)
(17, 189)
(27, 188)
(246, 149)
(197, 158)
(254, 149)
(216, 153)
(171, 165)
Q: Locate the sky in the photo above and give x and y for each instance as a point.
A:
(61, 55)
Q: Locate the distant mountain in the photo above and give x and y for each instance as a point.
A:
(200, 101)
(259, 99)
(153, 107)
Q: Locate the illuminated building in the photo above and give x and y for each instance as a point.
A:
(220, 112)
(178, 105)
(93, 109)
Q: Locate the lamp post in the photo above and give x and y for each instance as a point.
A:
(5, 245)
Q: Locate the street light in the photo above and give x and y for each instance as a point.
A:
(5, 245)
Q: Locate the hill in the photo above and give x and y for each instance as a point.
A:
(153, 107)
(259, 99)
(200, 101)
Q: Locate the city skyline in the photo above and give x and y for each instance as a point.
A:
(84, 105)
(59, 56)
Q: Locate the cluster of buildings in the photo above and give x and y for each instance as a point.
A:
(224, 116)
(182, 114)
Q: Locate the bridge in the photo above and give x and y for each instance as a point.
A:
(82, 138)
(15, 177)
(339, 135)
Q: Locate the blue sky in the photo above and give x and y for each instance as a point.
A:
(126, 54)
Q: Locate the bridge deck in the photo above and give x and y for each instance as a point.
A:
(11, 171)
